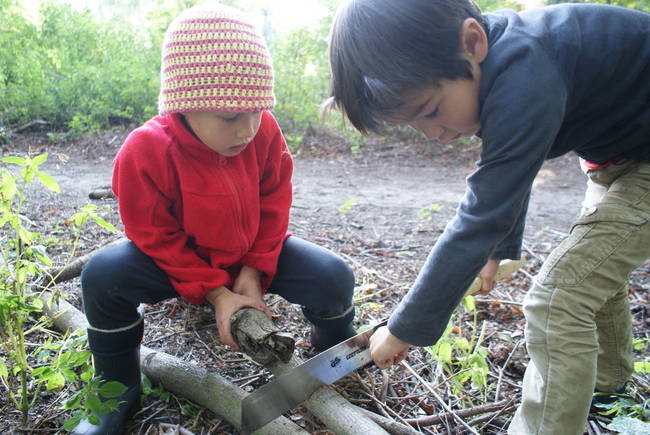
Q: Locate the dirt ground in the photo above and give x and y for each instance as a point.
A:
(382, 209)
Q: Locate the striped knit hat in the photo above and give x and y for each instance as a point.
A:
(212, 59)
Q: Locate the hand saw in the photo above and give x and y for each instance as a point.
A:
(296, 385)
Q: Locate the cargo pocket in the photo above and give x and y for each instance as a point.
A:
(592, 240)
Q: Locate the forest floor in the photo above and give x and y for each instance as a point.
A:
(382, 209)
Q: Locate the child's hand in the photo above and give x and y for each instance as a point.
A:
(487, 275)
(386, 349)
(248, 283)
(227, 303)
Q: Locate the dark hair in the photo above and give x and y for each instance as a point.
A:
(381, 48)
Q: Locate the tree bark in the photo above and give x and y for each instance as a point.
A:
(260, 339)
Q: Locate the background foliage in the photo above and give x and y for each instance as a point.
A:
(80, 73)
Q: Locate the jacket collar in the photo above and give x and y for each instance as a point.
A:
(187, 141)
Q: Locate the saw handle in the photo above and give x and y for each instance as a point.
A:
(506, 268)
(377, 326)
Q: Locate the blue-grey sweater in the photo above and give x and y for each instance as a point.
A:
(573, 77)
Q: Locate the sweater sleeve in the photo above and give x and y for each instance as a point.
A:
(275, 203)
(510, 247)
(145, 185)
(519, 123)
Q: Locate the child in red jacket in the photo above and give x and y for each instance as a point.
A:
(204, 191)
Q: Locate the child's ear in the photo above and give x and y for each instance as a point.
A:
(473, 40)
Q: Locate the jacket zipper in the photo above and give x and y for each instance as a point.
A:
(238, 207)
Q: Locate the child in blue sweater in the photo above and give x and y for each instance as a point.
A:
(533, 86)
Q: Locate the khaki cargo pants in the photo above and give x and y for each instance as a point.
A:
(578, 330)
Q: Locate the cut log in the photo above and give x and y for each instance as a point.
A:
(260, 339)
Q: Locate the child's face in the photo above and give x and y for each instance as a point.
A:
(227, 133)
(446, 112)
(450, 110)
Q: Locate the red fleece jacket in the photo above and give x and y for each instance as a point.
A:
(201, 216)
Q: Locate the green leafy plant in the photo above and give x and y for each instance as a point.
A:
(187, 408)
(74, 72)
(23, 265)
(629, 426)
(426, 212)
(347, 205)
(88, 402)
(60, 360)
(624, 405)
(463, 361)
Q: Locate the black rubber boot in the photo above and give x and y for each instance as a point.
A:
(327, 332)
(124, 368)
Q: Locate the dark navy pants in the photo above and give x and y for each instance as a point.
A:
(119, 278)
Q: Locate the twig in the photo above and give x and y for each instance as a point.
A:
(557, 233)
(148, 407)
(594, 427)
(366, 270)
(437, 397)
(383, 408)
(528, 275)
(391, 426)
(176, 428)
(73, 269)
(503, 367)
(492, 416)
(500, 301)
(384, 386)
(153, 415)
(213, 353)
(468, 412)
(162, 337)
(530, 251)
(370, 296)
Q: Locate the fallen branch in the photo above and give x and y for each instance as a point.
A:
(393, 427)
(28, 125)
(491, 416)
(103, 192)
(73, 269)
(180, 377)
(447, 408)
(462, 413)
